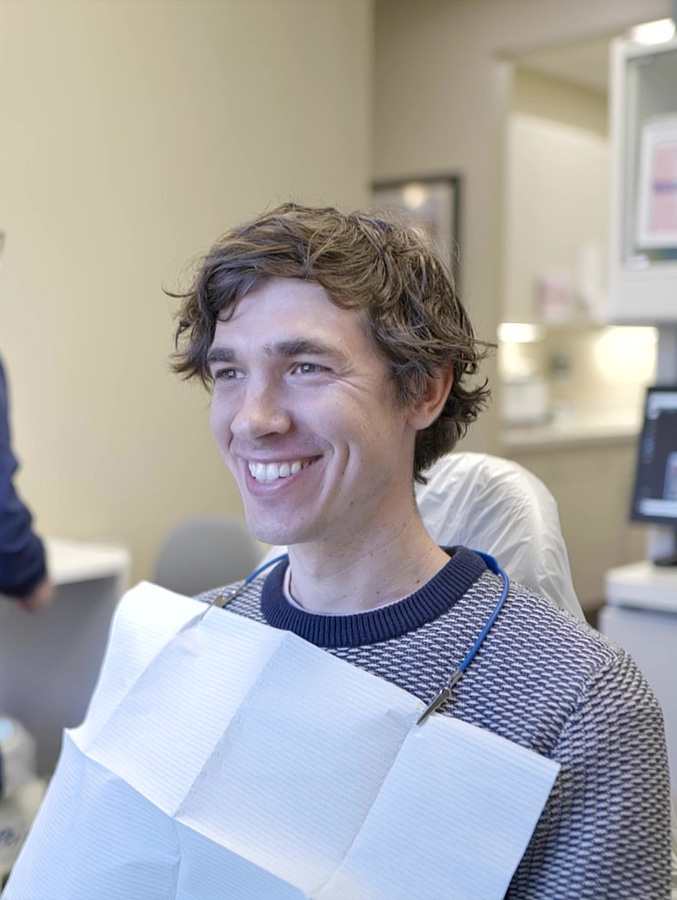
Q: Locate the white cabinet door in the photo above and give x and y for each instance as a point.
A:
(557, 204)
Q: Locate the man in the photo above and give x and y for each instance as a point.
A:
(23, 574)
(341, 366)
(340, 362)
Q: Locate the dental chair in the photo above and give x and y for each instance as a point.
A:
(205, 552)
(497, 506)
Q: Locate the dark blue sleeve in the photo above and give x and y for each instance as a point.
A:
(22, 556)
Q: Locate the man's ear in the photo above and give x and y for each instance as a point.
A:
(427, 408)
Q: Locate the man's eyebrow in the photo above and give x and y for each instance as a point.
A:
(220, 354)
(304, 347)
(283, 349)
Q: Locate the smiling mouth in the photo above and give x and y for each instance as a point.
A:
(265, 473)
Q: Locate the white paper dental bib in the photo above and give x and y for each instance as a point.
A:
(221, 758)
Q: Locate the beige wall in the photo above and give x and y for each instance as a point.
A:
(133, 134)
(441, 95)
(545, 97)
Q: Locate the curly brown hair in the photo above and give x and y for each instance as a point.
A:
(385, 268)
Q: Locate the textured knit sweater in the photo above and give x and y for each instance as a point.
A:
(543, 680)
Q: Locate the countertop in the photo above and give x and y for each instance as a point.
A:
(72, 561)
(586, 429)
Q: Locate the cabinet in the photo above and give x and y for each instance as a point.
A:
(641, 616)
(556, 225)
(643, 263)
(591, 484)
(49, 661)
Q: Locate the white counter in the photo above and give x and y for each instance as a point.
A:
(49, 661)
(69, 562)
(643, 585)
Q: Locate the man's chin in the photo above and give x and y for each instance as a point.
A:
(275, 535)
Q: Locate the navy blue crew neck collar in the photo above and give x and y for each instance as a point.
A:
(374, 626)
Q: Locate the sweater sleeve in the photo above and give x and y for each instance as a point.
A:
(22, 556)
(605, 833)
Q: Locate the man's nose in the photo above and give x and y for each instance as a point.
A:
(262, 412)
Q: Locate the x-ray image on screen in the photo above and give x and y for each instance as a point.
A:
(655, 493)
(670, 489)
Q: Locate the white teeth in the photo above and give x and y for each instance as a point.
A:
(272, 471)
(264, 473)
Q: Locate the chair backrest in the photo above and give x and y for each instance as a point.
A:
(206, 552)
(497, 506)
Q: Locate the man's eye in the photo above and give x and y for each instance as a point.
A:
(307, 369)
(226, 374)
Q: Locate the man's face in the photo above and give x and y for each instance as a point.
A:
(305, 417)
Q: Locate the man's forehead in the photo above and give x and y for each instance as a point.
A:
(295, 309)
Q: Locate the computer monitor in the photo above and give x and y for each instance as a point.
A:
(654, 498)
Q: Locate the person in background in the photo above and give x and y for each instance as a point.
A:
(23, 571)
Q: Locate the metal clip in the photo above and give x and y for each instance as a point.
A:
(441, 697)
(222, 599)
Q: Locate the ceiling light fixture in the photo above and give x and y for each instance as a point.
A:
(657, 32)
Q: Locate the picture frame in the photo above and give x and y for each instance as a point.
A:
(657, 193)
(432, 202)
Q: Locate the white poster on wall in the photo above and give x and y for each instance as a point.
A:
(657, 193)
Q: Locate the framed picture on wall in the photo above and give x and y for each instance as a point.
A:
(657, 200)
(432, 202)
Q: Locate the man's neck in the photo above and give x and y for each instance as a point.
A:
(344, 580)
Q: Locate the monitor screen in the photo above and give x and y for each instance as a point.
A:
(654, 498)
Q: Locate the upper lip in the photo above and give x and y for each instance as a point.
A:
(276, 459)
(280, 457)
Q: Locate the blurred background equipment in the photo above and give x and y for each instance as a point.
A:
(21, 791)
